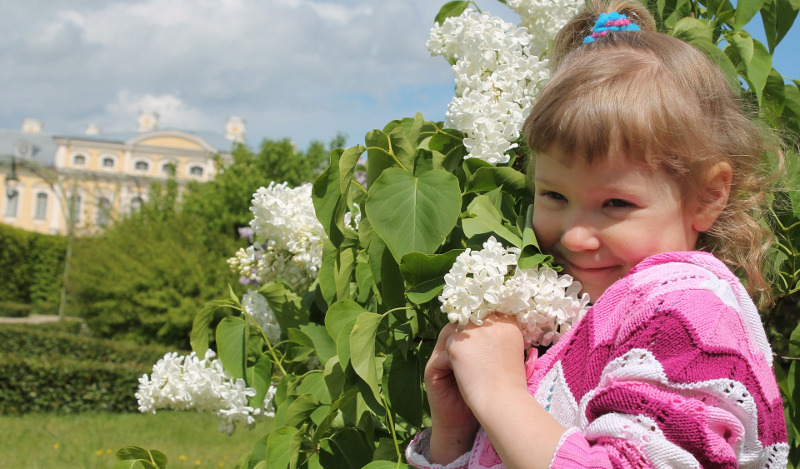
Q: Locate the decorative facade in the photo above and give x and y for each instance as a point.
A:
(48, 182)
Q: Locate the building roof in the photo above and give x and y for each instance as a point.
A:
(43, 147)
(216, 141)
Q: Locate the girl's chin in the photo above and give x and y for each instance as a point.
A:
(595, 281)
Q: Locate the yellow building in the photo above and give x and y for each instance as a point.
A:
(103, 176)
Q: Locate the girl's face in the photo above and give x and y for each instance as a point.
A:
(599, 220)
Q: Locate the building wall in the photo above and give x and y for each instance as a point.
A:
(105, 179)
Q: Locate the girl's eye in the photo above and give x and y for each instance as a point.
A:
(618, 203)
(553, 195)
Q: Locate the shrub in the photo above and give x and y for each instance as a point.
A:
(45, 369)
(80, 386)
(10, 309)
(31, 265)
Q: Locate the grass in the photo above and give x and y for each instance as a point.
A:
(189, 439)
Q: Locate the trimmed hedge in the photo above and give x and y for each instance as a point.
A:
(10, 309)
(31, 341)
(31, 266)
(48, 384)
(43, 369)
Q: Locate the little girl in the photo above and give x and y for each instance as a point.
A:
(648, 179)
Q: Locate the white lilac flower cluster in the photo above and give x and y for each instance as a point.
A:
(256, 306)
(543, 19)
(187, 382)
(292, 248)
(497, 76)
(489, 281)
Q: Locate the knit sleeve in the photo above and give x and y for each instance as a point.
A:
(418, 453)
(678, 380)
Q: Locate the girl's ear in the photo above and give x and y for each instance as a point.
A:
(713, 197)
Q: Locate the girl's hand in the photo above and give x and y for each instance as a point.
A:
(488, 361)
(454, 426)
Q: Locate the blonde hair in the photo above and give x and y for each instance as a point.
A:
(655, 98)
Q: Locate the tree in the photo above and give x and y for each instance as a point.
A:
(223, 204)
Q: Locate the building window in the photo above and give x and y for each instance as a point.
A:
(136, 204)
(79, 160)
(196, 171)
(75, 209)
(41, 206)
(169, 168)
(141, 166)
(103, 211)
(108, 162)
(11, 205)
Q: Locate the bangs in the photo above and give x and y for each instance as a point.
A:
(616, 103)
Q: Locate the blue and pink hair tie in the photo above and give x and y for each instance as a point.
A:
(606, 22)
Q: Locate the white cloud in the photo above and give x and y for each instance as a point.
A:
(172, 112)
(302, 69)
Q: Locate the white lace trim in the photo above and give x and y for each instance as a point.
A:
(418, 454)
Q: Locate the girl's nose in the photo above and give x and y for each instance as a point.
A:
(578, 237)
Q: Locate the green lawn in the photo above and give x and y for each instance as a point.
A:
(46, 441)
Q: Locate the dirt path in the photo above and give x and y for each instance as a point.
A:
(37, 319)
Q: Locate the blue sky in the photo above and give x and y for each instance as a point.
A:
(298, 69)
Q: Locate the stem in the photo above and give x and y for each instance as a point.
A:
(270, 348)
(272, 352)
(390, 154)
(391, 427)
(358, 184)
(406, 308)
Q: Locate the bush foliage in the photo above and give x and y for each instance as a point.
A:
(31, 266)
(44, 369)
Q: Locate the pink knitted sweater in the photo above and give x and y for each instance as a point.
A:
(670, 368)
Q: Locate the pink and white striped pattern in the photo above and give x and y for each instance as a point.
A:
(670, 367)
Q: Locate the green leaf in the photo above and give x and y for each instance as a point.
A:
(791, 107)
(300, 409)
(386, 272)
(794, 350)
(260, 378)
(282, 445)
(386, 465)
(379, 157)
(413, 213)
(785, 16)
(159, 458)
(425, 273)
(329, 205)
(485, 218)
(201, 327)
(340, 314)
(327, 272)
(345, 264)
(690, 28)
(129, 464)
(487, 179)
(347, 166)
(774, 97)
(745, 11)
(403, 145)
(450, 9)
(314, 384)
(404, 388)
(324, 345)
(362, 349)
(364, 279)
(755, 62)
(345, 450)
(288, 307)
(232, 346)
(132, 452)
(721, 59)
